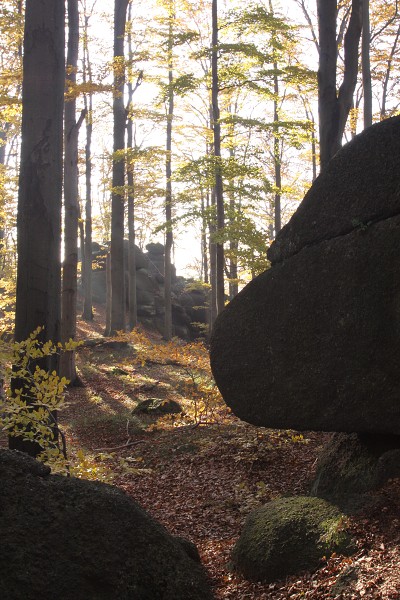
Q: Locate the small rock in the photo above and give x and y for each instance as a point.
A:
(157, 406)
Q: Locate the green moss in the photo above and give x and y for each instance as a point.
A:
(289, 535)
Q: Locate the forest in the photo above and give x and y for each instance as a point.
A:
(199, 211)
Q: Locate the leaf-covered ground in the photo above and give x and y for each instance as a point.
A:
(201, 480)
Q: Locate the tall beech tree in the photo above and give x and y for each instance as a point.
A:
(117, 317)
(334, 106)
(86, 229)
(71, 201)
(132, 300)
(219, 191)
(40, 183)
(170, 97)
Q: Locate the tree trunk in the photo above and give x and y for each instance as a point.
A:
(40, 183)
(87, 253)
(3, 141)
(71, 208)
(213, 264)
(219, 197)
(334, 108)
(233, 243)
(108, 292)
(388, 71)
(277, 157)
(132, 300)
(168, 187)
(204, 249)
(366, 64)
(118, 177)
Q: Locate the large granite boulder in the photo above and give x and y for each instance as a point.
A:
(313, 343)
(290, 535)
(72, 539)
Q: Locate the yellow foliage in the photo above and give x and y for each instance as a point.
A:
(28, 411)
(194, 362)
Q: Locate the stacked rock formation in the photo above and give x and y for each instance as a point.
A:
(189, 300)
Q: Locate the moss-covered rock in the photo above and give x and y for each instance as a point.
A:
(289, 535)
(80, 540)
(351, 465)
(158, 406)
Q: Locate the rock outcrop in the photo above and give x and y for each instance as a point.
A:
(78, 540)
(313, 343)
(189, 299)
(289, 535)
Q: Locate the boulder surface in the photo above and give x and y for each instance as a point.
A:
(289, 535)
(78, 540)
(351, 466)
(313, 343)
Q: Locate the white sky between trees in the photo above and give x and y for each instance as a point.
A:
(187, 240)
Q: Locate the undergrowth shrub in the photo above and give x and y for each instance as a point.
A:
(192, 358)
(28, 411)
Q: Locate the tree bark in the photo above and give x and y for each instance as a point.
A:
(71, 208)
(213, 263)
(132, 300)
(87, 248)
(204, 244)
(168, 187)
(40, 183)
(366, 64)
(118, 177)
(219, 194)
(277, 156)
(334, 108)
(388, 71)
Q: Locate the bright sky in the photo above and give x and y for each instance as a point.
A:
(187, 243)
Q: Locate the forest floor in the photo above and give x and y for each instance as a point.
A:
(201, 480)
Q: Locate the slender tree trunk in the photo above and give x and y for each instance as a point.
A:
(213, 262)
(389, 68)
(219, 196)
(366, 64)
(233, 243)
(334, 108)
(204, 249)
(108, 292)
(132, 300)
(71, 202)
(212, 228)
(40, 183)
(313, 151)
(168, 188)
(277, 156)
(3, 141)
(131, 233)
(87, 254)
(118, 178)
